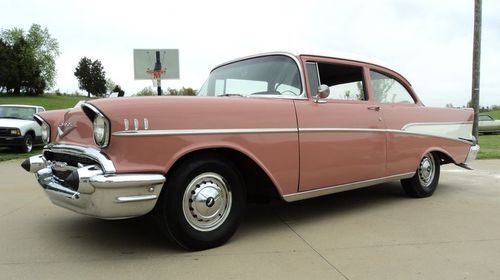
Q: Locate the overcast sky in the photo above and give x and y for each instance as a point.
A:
(428, 41)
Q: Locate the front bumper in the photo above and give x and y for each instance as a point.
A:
(93, 189)
(11, 141)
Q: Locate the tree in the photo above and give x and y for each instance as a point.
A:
(91, 77)
(43, 48)
(19, 71)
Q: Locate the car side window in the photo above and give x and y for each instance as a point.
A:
(484, 118)
(388, 90)
(345, 81)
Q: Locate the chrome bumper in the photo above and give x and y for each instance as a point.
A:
(92, 191)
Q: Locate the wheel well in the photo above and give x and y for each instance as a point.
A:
(258, 184)
(443, 158)
(32, 133)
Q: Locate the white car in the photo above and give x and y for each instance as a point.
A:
(487, 124)
(18, 128)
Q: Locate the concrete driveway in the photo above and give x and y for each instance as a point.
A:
(371, 233)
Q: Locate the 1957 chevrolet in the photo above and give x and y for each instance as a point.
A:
(302, 125)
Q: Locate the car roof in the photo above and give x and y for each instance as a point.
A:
(320, 53)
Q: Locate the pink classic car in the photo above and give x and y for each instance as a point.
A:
(300, 125)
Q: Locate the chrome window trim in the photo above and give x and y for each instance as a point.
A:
(344, 187)
(287, 54)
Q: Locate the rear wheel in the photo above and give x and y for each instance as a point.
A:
(426, 178)
(202, 203)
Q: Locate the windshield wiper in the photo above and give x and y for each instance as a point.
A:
(231, 94)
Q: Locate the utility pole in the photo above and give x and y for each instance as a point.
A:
(476, 65)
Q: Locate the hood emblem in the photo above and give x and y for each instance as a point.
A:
(64, 128)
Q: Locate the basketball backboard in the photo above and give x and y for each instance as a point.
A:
(158, 64)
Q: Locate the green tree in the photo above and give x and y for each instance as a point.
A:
(91, 77)
(19, 72)
(43, 47)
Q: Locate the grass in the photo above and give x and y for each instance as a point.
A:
(490, 146)
(493, 114)
(49, 102)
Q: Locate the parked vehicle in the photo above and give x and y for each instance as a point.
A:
(18, 127)
(301, 125)
(487, 124)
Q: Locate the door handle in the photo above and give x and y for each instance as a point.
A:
(374, 108)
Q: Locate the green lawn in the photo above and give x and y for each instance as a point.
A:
(490, 144)
(49, 102)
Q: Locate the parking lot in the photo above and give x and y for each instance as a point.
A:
(371, 233)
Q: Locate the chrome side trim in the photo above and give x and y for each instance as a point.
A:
(344, 187)
(87, 152)
(432, 123)
(123, 199)
(177, 132)
(173, 132)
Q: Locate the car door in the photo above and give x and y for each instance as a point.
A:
(342, 137)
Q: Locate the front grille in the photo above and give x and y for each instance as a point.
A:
(62, 175)
(71, 160)
(5, 131)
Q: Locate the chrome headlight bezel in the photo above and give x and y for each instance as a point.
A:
(101, 128)
(45, 129)
(45, 132)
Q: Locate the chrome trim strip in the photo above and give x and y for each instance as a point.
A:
(381, 131)
(173, 132)
(87, 152)
(344, 187)
(124, 199)
(432, 123)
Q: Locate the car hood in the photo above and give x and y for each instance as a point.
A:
(14, 122)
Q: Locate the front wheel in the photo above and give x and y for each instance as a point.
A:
(426, 178)
(27, 143)
(202, 203)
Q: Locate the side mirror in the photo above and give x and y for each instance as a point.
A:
(323, 92)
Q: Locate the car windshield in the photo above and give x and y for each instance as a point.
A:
(273, 75)
(16, 112)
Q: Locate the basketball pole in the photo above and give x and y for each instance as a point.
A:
(158, 68)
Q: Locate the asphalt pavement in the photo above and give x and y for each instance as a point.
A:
(370, 233)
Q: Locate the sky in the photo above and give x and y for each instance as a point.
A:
(427, 41)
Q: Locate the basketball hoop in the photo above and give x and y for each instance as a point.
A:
(155, 75)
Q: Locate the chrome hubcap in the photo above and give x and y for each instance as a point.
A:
(426, 170)
(207, 201)
(29, 144)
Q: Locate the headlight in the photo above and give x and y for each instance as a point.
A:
(101, 130)
(45, 133)
(16, 132)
